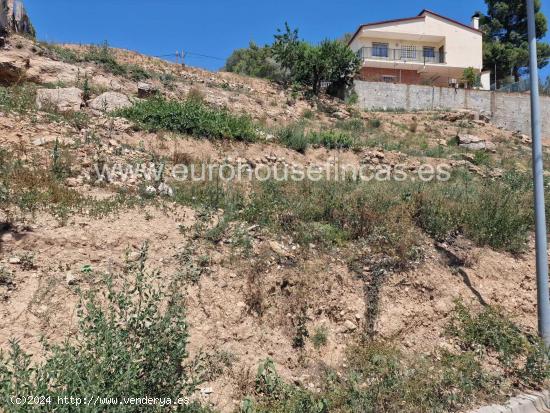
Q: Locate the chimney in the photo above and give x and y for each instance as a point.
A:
(475, 21)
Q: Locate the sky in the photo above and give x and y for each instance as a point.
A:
(209, 30)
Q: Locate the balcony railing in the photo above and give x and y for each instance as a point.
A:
(406, 54)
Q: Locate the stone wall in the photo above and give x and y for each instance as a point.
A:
(509, 110)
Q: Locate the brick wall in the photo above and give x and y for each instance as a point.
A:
(375, 74)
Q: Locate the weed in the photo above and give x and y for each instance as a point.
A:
(19, 98)
(133, 343)
(308, 114)
(293, 136)
(299, 339)
(331, 139)
(27, 261)
(375, 123)
(191, 117)
(320, 337)
(490, 330)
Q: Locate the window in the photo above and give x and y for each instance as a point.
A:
(388, 79)
(429, 54)
(380, 50)
(408, 52)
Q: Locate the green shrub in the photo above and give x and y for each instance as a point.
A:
(353, 125)
(294, 137)
(103, 56)
(256, 61)
(319, 337)
(331, 139)
(379, 378)
(191, 117)
(375, 123)
(523, 356)
(131, 342)
(61, 53)
(19, 98)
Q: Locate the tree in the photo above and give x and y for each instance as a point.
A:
(311, 65)
(471, 77)
(254, 61)
(506, 41)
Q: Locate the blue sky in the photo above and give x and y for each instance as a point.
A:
(216, 27)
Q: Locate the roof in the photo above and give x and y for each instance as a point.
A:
(420, 16)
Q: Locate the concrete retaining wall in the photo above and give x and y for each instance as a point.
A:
(509, 110)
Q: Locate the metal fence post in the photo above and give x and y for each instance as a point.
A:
(543, 299)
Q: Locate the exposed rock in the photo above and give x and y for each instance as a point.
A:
(71, 279)
(350, 325)
(14, 18)
(165, 190)
(341, 115)
(11, 70)
(151, 190)
(474, 143)
(63, 99)
(14, 260)
(146, 90)
(277, 249)
(110, 101)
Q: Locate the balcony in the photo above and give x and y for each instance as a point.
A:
(425, 55)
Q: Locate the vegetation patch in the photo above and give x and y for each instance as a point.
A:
(380, 378)
(191, 117)
(131, 342)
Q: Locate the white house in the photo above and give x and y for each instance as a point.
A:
(425, 49)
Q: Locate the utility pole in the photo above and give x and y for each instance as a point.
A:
(543, 298)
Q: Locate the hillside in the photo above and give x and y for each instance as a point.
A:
(316, 276)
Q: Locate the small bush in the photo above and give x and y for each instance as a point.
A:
(131, 342)
(375, 123)
(320, 337)
(353, 125)
(490, 330)
(332, 139)
(379, 379)
(20, 98)
(103, 56)
(191, 117)
(294, 137)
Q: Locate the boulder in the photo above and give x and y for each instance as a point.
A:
(63, 99)
(110, 101)
(475, 143)
(11, 70)
(146, 90)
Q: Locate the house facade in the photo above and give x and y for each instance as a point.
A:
(426, 49)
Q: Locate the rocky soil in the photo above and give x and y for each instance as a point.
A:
(243, 306)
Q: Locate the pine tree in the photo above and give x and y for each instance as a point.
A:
(506, 41)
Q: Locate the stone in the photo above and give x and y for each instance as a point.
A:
(63, 99)
(71, 279)
(43, 140)
(277, 248)
(475, 143)
(341, 115)
(110, 101)
(14, 260)
(146, 90)
(350, 325)
(6, 237)
(207, 391)
(151, 190)
(11, 70)
(165, 190)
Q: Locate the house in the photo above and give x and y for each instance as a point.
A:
(427, 49)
